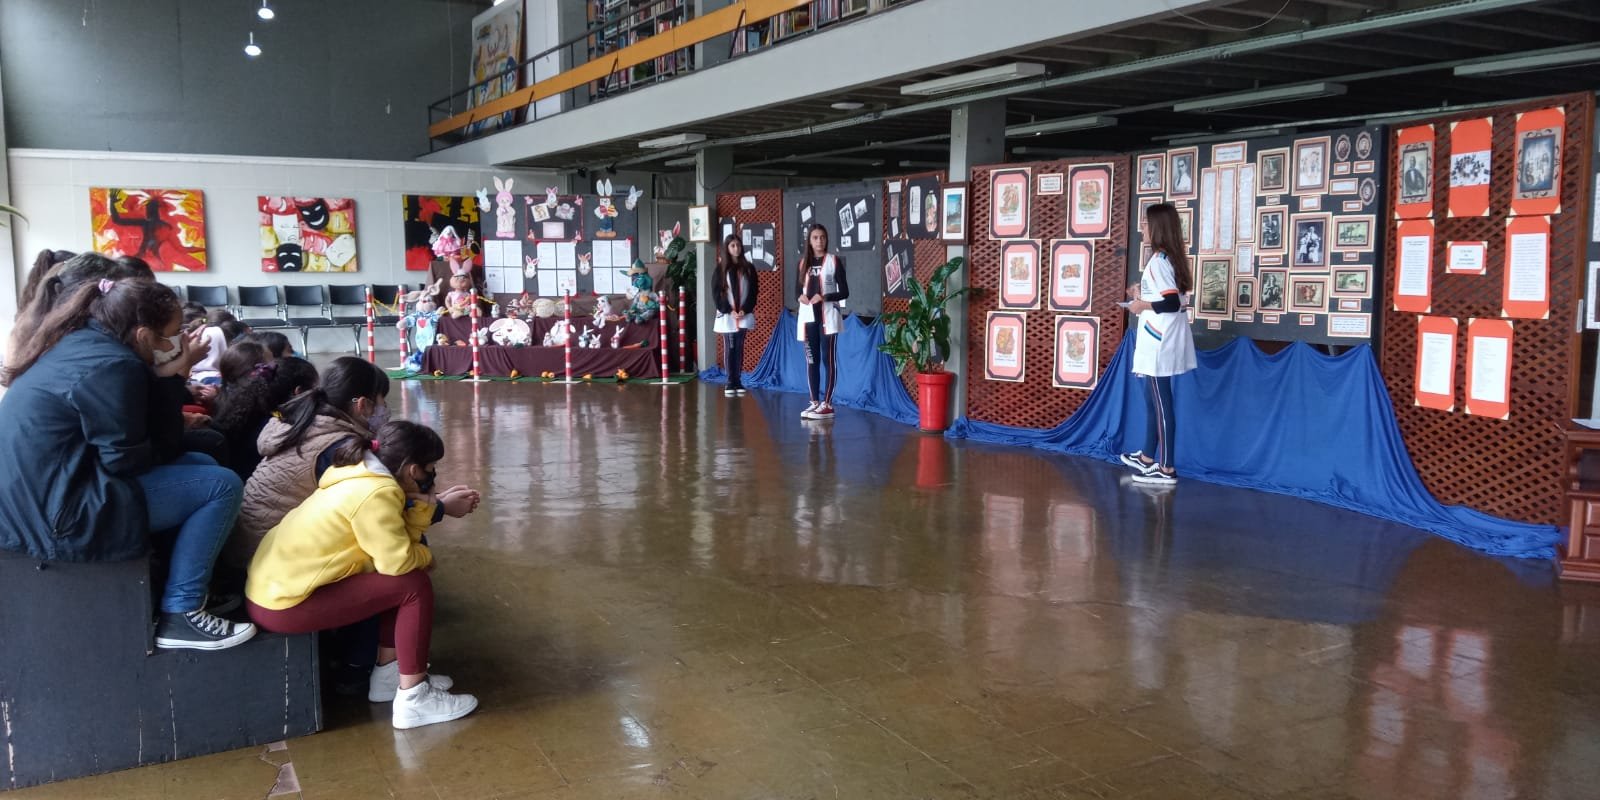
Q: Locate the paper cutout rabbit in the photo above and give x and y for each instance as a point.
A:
(505, 217)
(483, 201)
(634, 193)
(550, 193)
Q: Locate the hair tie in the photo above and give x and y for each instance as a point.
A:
(374, 445)
(264, 370)
(106, 284)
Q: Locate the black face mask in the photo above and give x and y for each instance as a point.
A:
(426, 484)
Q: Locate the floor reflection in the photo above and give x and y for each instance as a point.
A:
(669, 592)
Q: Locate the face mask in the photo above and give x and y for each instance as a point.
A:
(163, 356)
(379, 416)
(426, 484)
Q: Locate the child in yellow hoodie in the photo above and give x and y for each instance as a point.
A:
(353, 550)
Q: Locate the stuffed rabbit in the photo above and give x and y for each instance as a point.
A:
(505, 216)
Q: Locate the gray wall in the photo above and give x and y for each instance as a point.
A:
(337, 79)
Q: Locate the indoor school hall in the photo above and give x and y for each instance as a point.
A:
(1157, 399)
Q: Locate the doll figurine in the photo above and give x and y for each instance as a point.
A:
(606, 211)
(459, 302)
(644, 306)
(447, 247)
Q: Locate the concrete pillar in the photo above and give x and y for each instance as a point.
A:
(713, 167)
(977, 136)
(8, 261)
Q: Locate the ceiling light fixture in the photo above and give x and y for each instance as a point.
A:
(1061, 126)
(264, 12)
(675, 140)
(1531, 62)
(681, 162)
(1264, 97)
(252, 49)
(969, 80)
(847, 105)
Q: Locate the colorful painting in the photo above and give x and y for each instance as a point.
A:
(307, 234)
(165, 227)
(496, 47)
(425, 214)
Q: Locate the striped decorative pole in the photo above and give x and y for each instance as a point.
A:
(666, 373)
(473, 337)
(372, 342)
(566, 350)
(400, 311)
(683, 336)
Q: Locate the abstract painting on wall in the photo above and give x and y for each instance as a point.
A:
(496, 47)
(427, 214)
(165, 227)
(307, 234)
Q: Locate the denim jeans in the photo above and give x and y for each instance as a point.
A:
(733, 357)
(192, 505)
(1163, 421)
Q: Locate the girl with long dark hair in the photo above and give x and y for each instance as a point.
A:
(822, 290)
(1164, 346)
(249, 401)
(735, 287)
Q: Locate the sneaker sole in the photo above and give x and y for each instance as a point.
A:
(434, 719)
(1155, 480)
(1133, 463)
(215, 644)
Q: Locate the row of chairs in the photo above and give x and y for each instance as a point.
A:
(290, 307)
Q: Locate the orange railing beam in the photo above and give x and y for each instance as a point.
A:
(700, 29)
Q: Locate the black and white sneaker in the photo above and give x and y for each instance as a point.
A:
(1153, 475)
(740, 391)
(730, 392)
(1135, 460)
(199, 630)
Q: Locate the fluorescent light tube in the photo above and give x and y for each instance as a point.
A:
(675, 140)
(1060, 125)
(969, 80)
(1262, 97)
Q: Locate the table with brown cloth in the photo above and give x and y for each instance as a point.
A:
(641, 360)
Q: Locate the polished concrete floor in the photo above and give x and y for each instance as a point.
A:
(671, 594)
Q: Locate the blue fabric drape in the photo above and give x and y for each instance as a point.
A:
(867, 379)
(1297, 422)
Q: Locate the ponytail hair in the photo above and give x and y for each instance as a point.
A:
(348, 379)
(122, 307)
(46, 261)
(266, 386)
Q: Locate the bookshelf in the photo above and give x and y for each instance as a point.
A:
(615, 24)
(820, 14)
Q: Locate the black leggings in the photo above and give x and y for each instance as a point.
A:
(733, 358)
(819, 351)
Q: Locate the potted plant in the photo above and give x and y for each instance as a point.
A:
(920, 337)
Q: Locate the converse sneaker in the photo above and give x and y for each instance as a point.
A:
(730, 392)
(385, 682)
(740, 391)
(199, 630)
(824, 411)
(811, 410)
(1136, 460)
(1155, 476)
(426, 704)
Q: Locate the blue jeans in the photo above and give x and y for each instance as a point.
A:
(1163, 421)
(192, 505)
(820, 353)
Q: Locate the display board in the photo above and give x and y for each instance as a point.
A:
(759, 211)
(920, 254)
(1048, 355)
(1283, 232)
(1480, 355)
(585, 243)
(856, 206)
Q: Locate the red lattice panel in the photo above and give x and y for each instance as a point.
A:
(1035, 403)
(769, 289)
(929, 254)
(1510, 468)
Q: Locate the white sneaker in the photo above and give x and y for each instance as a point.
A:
(425, 704)
(811, 410)
(385, 682)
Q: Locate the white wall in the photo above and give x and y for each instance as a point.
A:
(52, 188)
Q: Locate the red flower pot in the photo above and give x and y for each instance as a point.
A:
(933, 400)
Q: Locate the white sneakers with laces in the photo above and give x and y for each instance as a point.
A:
(427, 704)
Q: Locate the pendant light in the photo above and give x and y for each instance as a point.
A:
(265, 12)
(252, 49)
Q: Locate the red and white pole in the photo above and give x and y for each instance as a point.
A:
(683, 335)
(473, 337)
(661, 313)
(372, 342)
(400, 311)
(567, 349)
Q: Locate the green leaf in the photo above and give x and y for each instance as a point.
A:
(920, 335)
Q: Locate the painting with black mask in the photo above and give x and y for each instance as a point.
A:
(308, 234)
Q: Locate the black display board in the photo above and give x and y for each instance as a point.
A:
(1301, 248)
(572, 224)
(899, 263)
(863, 258)
(916, 216)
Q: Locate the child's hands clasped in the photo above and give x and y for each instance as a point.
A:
(459, 501)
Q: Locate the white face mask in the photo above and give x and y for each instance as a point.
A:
(379, 416)
(163, 356)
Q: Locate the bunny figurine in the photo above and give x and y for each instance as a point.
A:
(550, 196)
(483, 201)
(634, 193)
(505, 216)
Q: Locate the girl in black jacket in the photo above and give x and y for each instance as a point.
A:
(78, 477)
(822, 290)
(734, 285)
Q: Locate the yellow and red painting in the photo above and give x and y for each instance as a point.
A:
(307, 234)
(165, 227)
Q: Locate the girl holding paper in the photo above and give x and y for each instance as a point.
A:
(1164, 346)
(735, 282)
(822, 288)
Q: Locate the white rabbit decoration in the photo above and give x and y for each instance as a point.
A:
(505, 216)
(634, 193)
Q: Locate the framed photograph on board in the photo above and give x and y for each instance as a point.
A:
(1352, 282)
(954, 212)
(1077, 353)
(1089, 204)
(1272, 171)
(1353, 234)
(699, 224)
(1144, 207)
(1005, 346)
(1310, 242)
(1019, 274)
(1244, 294)
(1009, 189)
(1071, 275)
(1308, 293)
(1536, 185)
(1186, 225)
(1212, 299)
(1152, 173)
(899, 257)
(1183, 173)
(1310, 168)
(1271, 222)
(1273, 290)
(922, 208)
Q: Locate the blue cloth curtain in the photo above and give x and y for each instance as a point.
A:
(867, 379)
(1297, 422)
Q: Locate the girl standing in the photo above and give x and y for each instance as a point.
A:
(78, 474)
(354, 550)
(1164, 346)
(822, 288)
(735, 280)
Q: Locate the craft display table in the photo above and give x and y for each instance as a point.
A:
(637, 353)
